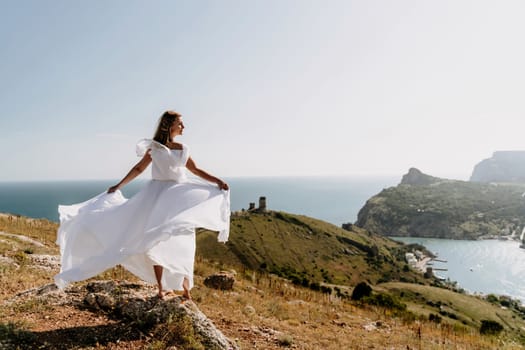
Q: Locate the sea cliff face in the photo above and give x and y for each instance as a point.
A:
(426, 206)
(503, 166)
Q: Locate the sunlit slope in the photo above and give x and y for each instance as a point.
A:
(307, 250)
(455, 308)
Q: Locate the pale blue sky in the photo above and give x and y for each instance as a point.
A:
(266, 87)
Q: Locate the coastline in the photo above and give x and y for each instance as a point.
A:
(489, 266)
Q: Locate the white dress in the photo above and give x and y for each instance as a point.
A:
(154, 227)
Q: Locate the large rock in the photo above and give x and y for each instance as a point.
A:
(503, 166)
(222, 281)
(129, 301)
(133, 302)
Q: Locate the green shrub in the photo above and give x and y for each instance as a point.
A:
(491, 298)
(385, 300)
(505, 303)
(326, 290)
(361, 290)
(29, 250)
(305, 282)
(177, 331)
(285, 340)
(21, 257)
(315, 286)
(490, 327)
(434, 318)
(448, 314)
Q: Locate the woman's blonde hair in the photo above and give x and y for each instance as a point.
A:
(162, 135)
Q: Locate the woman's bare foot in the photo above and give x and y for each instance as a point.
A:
(158, 275)
(186, 286)
(186, 294)
(161, 294)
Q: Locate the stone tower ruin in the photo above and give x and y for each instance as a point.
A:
(262, 204)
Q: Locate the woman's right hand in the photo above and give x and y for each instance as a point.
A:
(223, 185)
(112, 189)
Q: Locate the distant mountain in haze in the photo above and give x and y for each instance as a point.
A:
(503, 166)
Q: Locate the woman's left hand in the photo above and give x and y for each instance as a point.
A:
(112, 189)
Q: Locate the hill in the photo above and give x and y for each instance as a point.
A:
(307, 250)
(263, 311)
(443, 208)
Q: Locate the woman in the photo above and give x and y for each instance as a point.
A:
(153, 233)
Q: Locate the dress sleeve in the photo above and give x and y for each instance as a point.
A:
(142, 147)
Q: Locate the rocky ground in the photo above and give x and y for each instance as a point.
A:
(106, 313)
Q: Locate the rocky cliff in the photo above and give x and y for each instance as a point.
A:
(425, 206)
(503, 166)
(417, 178)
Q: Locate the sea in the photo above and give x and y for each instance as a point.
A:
(489, 266)
(335, 199)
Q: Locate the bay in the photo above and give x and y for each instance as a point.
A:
(485, 266)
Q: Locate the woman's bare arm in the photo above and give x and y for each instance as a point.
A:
(133, 173)
(190, 164)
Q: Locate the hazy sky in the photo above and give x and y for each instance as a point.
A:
(266, 87)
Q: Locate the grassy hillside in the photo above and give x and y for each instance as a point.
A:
(263, 311)
(458, 309)
(445, 209)
(307, 250)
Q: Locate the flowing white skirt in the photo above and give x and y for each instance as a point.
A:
(154, 227)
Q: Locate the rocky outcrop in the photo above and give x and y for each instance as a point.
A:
(503, 166)
(445, 208)
(417, 178)
(133, 302)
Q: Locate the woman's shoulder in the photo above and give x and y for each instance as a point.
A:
(143, 145)
(179, 146)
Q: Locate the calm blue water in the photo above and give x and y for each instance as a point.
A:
(333, 199)
(488, 266)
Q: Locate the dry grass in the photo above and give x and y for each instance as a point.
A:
(263, 311)
(39, 229)
(316, 321)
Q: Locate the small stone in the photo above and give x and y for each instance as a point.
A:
(91, 301)
(47, 289)
(249, 310)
